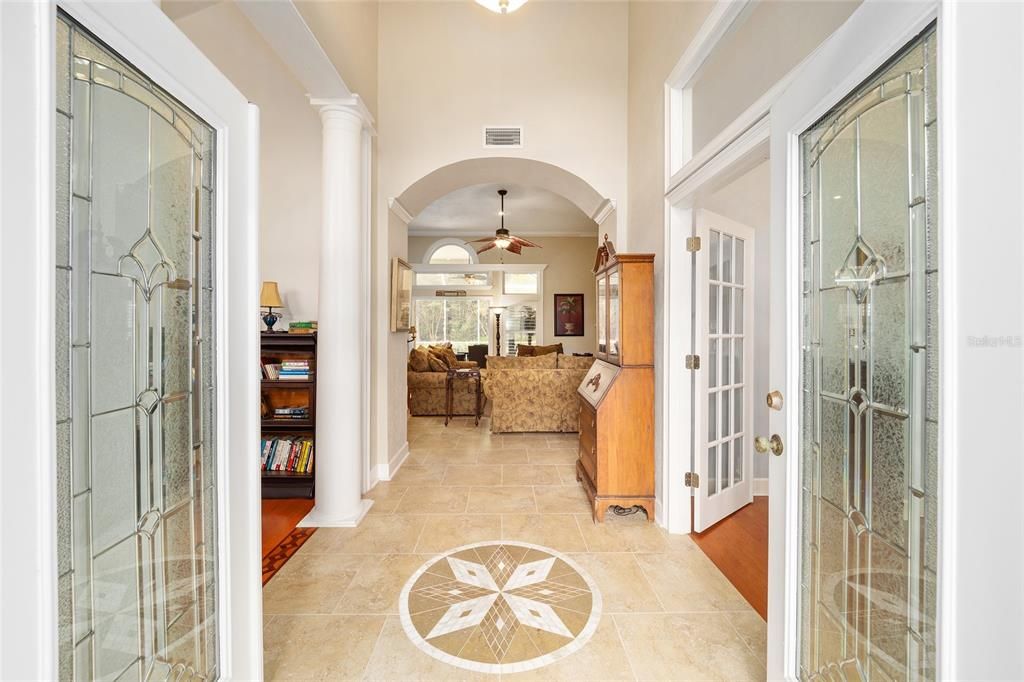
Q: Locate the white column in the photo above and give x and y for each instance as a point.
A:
(342, 347)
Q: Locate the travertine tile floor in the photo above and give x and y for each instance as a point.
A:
(332, 611)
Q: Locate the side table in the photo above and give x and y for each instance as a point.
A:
(449, 391)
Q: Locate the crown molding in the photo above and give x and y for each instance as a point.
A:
(399, 210)
(603, 211)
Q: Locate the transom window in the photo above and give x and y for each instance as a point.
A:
(450, 252)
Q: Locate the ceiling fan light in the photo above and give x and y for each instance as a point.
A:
(501, 6)
(502, 242)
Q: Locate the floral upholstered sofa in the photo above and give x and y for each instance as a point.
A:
(535, 393)
(427, 369)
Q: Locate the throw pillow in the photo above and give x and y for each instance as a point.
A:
(436, 364)
(419, 360)
(530, 351)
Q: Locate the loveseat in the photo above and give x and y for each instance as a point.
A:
(427, 369)
(535, 393)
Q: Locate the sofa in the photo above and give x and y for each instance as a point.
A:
(427, 370)
(535, 393)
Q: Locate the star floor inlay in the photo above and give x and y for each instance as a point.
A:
(500, 607)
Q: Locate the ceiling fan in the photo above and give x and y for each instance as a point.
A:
(502, 239)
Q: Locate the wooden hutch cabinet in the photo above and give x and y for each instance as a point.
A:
(616, 448)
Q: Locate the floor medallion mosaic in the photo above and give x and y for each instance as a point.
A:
(500, 607)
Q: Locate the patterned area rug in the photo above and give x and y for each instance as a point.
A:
(500, 607)
(277, 557)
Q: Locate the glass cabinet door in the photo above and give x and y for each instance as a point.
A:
(602, 316)
(614, 335)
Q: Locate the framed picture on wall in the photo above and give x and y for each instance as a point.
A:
(569, 315)
(401, 295)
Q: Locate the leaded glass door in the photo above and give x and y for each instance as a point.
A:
(869, 425)
(136, 479)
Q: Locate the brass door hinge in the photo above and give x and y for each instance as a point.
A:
(693, 244)
(691, 480)
(692, 362)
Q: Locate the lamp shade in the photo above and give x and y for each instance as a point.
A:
(270, 297)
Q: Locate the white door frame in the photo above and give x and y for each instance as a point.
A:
(980, 606)
(28, 581)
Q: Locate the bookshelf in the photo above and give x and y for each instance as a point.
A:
(288, 414)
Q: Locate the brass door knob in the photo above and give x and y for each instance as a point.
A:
(774, 400)
(773, 444)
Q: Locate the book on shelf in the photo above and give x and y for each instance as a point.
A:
(292, 455)
(288, 370)
(302, 327)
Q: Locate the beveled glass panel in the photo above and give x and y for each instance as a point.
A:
(868, 530)
(883, 173)
(120, 176)
(137, 496)
(890, 367)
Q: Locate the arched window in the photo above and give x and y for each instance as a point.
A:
(450, 252)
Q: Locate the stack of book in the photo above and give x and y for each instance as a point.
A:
(302, 327)
(293, 455)
(291, 413)
(294, 369)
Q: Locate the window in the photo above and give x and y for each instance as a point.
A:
(453, 279)
(461, 321)
(520, 326)
(522, 282)
(450, 252)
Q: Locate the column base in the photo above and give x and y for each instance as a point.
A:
(316, 519)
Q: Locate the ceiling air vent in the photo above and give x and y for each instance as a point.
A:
(503, 137)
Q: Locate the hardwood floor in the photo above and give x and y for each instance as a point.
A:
(738, 546)
(279, 519)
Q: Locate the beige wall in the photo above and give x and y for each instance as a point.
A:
(446, 70)
(569, 261)
(289, 149)
(348, 33)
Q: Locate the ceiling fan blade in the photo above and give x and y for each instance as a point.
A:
(515, 248)
(524, 242)
(489, 246)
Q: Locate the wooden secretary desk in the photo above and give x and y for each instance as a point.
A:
(616, 448)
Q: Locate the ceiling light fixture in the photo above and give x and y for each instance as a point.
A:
(502, 239)
(501, 6)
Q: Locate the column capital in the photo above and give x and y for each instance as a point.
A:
(352, 105)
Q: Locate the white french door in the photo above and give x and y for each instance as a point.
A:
(723, 419)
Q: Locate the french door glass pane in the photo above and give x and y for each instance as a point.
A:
(136, 474)
(869, 473)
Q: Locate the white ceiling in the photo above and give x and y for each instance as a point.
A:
(473, 211)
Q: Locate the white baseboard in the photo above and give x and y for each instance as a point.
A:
(659, 513)
(760, 486)
(316, 519)
(387, 470)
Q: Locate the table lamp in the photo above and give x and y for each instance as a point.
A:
(270, 298)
